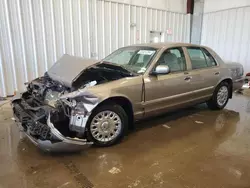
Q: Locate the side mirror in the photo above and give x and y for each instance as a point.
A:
(161, 69)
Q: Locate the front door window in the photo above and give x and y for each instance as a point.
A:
(174, 58)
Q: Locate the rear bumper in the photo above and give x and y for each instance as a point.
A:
(52, 140)
(238, 83)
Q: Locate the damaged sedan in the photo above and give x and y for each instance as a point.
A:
(79, 102)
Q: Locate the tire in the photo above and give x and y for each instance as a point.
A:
(102, 126)
(215, 103)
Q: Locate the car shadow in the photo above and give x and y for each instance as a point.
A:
(167, 117)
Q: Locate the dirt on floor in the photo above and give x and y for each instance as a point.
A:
(194, 147)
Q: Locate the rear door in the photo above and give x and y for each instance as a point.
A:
(205, 72)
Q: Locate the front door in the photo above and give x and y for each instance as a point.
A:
(164, 92)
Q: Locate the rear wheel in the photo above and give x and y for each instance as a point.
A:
(107, 125)
(220, 97)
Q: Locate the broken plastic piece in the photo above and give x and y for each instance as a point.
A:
(199, 122)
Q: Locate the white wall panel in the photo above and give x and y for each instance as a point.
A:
(215, 5)
(35, 33)
(197, 19)
(227, 32)
(169, 5)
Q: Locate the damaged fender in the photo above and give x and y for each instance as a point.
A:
(81, 110)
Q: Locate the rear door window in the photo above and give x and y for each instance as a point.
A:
(200, 58)
(209, 58)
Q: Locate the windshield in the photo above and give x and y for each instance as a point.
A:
(135, 59)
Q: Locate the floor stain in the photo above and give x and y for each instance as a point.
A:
(81, 179)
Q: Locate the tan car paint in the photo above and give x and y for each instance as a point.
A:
(129, 88)
(203, 81)
(174, 91)
(165, 92)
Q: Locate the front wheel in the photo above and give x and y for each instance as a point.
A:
(107, 125)
(220, 97)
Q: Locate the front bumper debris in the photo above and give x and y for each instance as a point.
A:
(51, 140)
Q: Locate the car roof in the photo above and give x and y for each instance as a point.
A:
(166, 45)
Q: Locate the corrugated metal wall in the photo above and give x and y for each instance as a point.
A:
(228, 33)
(35, 33)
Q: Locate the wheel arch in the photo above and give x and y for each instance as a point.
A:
(125, 103)
(230, 83)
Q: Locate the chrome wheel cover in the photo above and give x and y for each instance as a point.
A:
(222, 95)
(105, 126)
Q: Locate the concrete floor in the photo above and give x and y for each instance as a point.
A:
(194, 147)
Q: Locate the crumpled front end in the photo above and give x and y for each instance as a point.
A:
(59, 127)
(55, 109)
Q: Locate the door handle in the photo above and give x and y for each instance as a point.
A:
(216, 73)
(188, 78)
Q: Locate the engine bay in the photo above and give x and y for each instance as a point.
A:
(46, 91)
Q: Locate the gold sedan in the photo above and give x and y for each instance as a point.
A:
(99, 100)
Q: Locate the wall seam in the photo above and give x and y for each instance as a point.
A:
(222, 10)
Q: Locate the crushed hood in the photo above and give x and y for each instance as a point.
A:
(67, 68)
